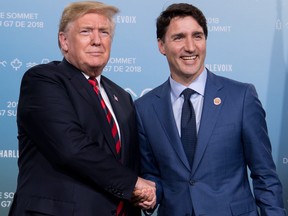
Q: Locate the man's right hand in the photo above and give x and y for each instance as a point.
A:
(144, 194)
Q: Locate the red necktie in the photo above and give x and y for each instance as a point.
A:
(94, 83)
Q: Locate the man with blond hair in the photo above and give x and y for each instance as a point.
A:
(77, 130)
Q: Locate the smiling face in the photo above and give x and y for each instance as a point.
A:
(87, 43)
(184, 46)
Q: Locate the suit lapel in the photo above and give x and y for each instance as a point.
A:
(78, 81)
(209, 116)
(83, 87)
(165, 114)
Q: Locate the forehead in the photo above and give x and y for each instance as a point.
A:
(184, 24)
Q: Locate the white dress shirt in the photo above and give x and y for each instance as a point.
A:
(177, 99)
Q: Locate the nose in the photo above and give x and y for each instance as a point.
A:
(190, 45)
(95, 39)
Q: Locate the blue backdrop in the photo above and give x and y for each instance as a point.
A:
(247, 41)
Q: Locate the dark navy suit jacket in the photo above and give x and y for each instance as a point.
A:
(232, 136)
(67, 163)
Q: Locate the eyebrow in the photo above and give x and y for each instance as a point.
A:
(183, 34)
(177, 35)
(198, 33)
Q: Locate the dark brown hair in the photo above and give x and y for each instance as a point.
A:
(179, 10)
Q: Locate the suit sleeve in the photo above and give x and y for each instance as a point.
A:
(149, 168)
(47, 116)
(266, 185)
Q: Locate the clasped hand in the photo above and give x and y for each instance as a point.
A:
(144, 194)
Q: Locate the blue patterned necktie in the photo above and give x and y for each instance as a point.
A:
(188, 126)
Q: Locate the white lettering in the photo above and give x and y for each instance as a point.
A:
(122, 60)
(219, 67)
(9, 154)
(8, 195)
(27, 16)
(214, 20)
(219, 28)
(126, 19)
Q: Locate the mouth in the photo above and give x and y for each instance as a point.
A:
(189, 57)
(95, 53)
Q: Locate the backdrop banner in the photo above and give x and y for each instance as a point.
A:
(247, 41)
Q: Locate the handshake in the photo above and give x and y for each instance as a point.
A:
(144, 194)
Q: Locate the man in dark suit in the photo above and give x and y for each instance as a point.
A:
(207, 175)
(77, 129)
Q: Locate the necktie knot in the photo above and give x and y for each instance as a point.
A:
(187, 93)
(94, 83)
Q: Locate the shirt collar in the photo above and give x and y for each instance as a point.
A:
(197, 85)
(98, 78)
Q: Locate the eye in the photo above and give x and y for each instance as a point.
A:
(105, 33)
(198, 36)
(178, 37)
(85, 31)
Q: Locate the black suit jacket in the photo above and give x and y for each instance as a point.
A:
(67, 162)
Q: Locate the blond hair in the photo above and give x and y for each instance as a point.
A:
(78, 9)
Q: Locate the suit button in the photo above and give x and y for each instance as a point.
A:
(192, 182)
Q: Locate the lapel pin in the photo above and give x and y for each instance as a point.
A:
(115, 97)
(217, 101)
